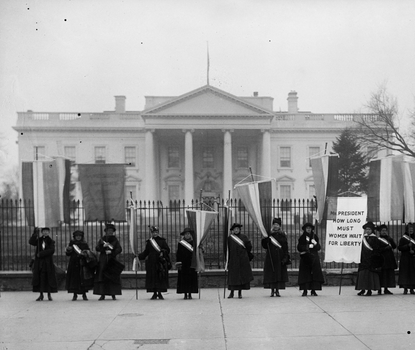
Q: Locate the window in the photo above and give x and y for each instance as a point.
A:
(174, 195)
(173, 157)
(100, 155)
(70, 153)
(207, 157)
(242, 158)
(312, 151)
(285, 195)
(39, 152)
(285, 157)
(130, 156)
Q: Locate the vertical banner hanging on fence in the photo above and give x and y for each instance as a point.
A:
(386, 189)
(227, 223)
(103, 191)
(200, 222)
(133, 235)
(326, 180)
(46, 184)
(344, 231)
(257, 199)
(409, 190)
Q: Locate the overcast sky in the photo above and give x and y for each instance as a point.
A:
(74, 56)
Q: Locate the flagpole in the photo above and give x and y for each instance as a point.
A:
(341, 277)
(200, 224)
(226, 233)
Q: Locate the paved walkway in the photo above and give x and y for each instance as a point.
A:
(329, 321)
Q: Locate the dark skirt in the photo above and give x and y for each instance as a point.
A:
(314, 285)
(107, 288)
(367, 280)
(44, 285)
(187, 281)
(387, 278)
(274, 285)
(245, 286)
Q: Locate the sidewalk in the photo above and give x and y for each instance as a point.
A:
(329, 321)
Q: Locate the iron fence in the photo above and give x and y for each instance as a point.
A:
(16, 253)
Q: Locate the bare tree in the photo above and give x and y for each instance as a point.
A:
(382, 127)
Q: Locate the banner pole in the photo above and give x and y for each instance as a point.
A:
(341, 277)
(136, 284)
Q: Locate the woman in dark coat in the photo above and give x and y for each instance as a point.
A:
(387, 273)
(239, 266)
(310, 275)
(108, 282)
(157, 265)
(406, 246)
(186, 274)
(371, 261)
(79, 276)
(44, 276)
(275, 268)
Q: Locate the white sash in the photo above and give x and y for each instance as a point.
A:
(238, 240)
(155, 245)
(275, 242)
(77, 249)
(366, 244)
(384, 241)
(186, 245)
(410, 239)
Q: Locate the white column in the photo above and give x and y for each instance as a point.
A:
(227, 163)
(266, 153)
(188, 167)
(150, 172)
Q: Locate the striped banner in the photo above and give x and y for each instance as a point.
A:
(326, 181)
(257, 199)
(47, 184)
(133, 235)
(408, 169)
(385, 198)
(200, 222)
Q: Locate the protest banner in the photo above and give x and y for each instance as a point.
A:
(344, 231)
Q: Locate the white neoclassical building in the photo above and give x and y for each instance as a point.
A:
(206, 139)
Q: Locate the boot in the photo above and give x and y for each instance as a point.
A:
(185, 296)
(277, 293)
(304, 293)
(75, 296)
(362, 292)
(49, 297)
(84, 296)
(380, 291)
(368, 293)
(272, 293)
(387, 291)
(230, 296)
(313, 293)
(405, 291)
(40, 298)
(154, 296)
(190, 296)
(102, 297)
(412, 291)
(240, 294)
(113, 297)
(160, 296)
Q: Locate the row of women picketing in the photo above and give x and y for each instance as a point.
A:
(102, 274)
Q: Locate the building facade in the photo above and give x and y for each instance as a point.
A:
(204, 141)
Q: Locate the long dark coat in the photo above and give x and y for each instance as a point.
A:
(387, 273)
(107, 284)
(239, 268)
(157, 272)
(310, 275)
(79, 276)
(186, 276)
(44, 275)
(406, 264)
(368, 278)
(275, 270)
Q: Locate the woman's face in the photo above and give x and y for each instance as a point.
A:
(368, 231)
(308, 229)
(187, 236)
(78, 238)
(411, 229)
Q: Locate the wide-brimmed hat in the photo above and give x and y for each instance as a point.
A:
(110, 226)
(381, 227)
(235, 225)
(307, 224)
(45, 229)
(78, 233)
(277, 221)
(370, 225)
(187, 230)
(153, 228)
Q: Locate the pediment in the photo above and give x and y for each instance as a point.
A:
(285, 179)
(204, 101)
